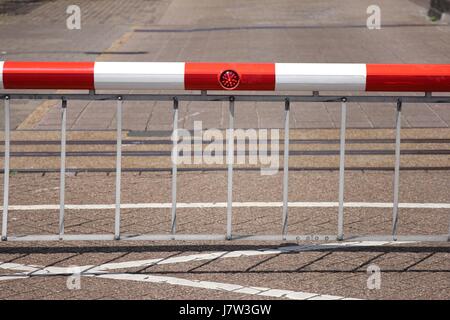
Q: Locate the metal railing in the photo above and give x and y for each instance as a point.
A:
(232, 99)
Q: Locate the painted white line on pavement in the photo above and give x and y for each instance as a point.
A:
(210, 285)
(235, 204)
(13, 277)
(227, 287)
(100, 270)
(237, 254)
(31, 270)
(18, 267)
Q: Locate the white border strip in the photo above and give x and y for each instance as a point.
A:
(139, 75)
(320, 76)
(235, 205)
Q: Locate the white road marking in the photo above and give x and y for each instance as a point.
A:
(210, 285)
(12, 277)
(18, 267)
(100, 271)
(237, 254)
(30, 270)
(235, 205)
(227, 287)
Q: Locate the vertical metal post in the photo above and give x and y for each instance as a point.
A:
(6, 171)
(398, 124)
(62, 181)
(174, 166)
(342, 170)
(286, 169)
(118, 166)
(449, 230)
(230, 160)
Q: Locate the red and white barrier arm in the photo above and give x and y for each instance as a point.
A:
(225, 76)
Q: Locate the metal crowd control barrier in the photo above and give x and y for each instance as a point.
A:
(205, 78)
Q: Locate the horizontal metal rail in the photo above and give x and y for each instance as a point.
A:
(427, 98)
(157, 153)
(221, 237)
(230, 153)
(247, 142)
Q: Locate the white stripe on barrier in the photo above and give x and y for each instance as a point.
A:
(320, 76)
(199, 205)
(139, 75)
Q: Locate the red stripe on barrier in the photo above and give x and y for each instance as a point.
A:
(48, 75)
(229, 76)
(412, 77)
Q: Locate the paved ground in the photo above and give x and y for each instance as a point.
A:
(284, 31)
(281, 31)
(217, 271)
(228, 270)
